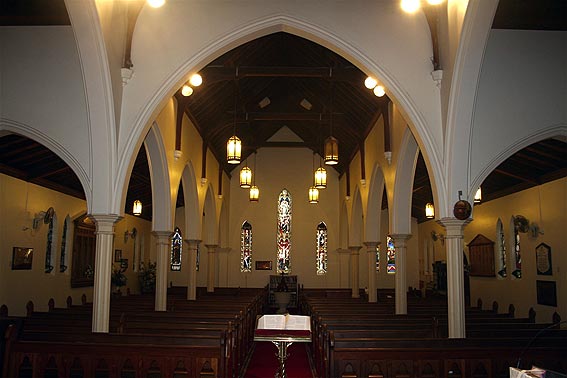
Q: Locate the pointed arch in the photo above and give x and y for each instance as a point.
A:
(356, 221)
(162, 218)
(210, 214)
(374, 205)
(400, 214)
(191, 199)
(343, 227)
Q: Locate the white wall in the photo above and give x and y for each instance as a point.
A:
(522, 92)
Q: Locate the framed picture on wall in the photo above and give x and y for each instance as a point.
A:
(546, 293)
(263, 265)
(22, 258)
(543, 260)
(117, 255)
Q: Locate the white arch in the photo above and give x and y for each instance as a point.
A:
(100, 111)
(54, 146)
(374, 205)
(356, 221)
(162, 212)
(400, 214)
(191, 199)
(466, 73)
(536, 136)
(428, 128)
(211, 225)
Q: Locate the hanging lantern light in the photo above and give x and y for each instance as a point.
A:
(429, 211)
(254, 193)
(233, 150)
(478, 196)
(137, 208)
(321, 178)
(313, 194)
(245, 178)
(331, 151)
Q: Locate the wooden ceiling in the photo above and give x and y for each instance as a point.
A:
(285, 69)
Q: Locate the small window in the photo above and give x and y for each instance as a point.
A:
(49, 248)
(176, 250)
(391, 255)
(321, 258)
(377, 257)
(246, 247)
(500, 249)
(64, 245)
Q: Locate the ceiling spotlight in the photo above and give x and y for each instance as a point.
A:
(156, 3)
(370, 82)
(410, 6)
(379, 91)
(306, 104)
(196, 80)
(435, 2)
(186, 90)
(264, 102)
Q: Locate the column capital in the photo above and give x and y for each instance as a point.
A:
(371, 244)
(354, 249)
(453, 227)
(193, 243)
(401, 236)
(162, 234)
(211, 246)
(105, 222)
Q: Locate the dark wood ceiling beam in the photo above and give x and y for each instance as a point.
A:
(516, 176)
(215, 73)
(47, 172)
(535, 159)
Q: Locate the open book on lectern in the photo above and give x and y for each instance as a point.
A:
(287, 321)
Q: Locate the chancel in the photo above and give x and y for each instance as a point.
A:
(208, 151)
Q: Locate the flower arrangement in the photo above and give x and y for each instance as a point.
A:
(118, 278)
(147, 277)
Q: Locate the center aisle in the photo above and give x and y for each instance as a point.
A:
(264, 363)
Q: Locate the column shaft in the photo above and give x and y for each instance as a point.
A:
(192, 281)
(354, 270)
(211, 268)
(400, 242)
(455, 276)
(163, 246)
(371, 256)
(103, 270)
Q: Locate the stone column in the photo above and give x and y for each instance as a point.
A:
(455, 275)
(400, 242)
(103, 270)
(192, 282)
(371, 256)
(211, 266)
(354, 266)
(163, 247)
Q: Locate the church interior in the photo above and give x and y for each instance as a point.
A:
(169, 168)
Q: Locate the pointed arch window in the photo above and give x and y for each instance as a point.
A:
(321, 248)
(64, 245)
(176, 249)
(515, 242)
(246, 247)
(391, 255)
(377, 257)
(284, 232)
(49, 248)
(500, 249)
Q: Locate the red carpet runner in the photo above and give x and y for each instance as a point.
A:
(264, 362)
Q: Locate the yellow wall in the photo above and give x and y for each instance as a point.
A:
(20, 202)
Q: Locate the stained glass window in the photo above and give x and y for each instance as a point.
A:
(518, 257)
(49, 248)
(176, 249)
(198, 256)
(246, 247)
(63, 261)
(391, 255)
(321, 248)
(501, 245)
(377, 257)
(284, 232)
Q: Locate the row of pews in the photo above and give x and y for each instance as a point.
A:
(209, 337)
(353, 338)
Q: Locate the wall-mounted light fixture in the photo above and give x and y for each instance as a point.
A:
(131, 234)
(478, 196)
(137, 208)
(429, 211)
